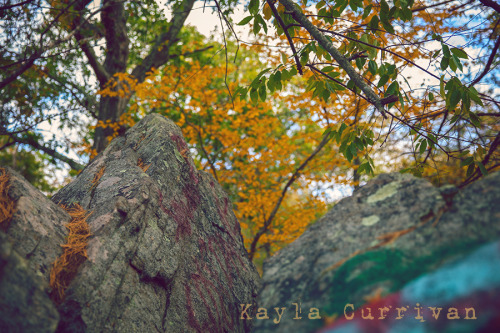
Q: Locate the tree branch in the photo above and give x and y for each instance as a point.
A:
(292, 179)
(488, 63)
(52, 152)
(328, 46)
(191, 52)
(2, 8)
(285, 31)
(40, 51)
(491, 4)
(160, 53)
(477, 173)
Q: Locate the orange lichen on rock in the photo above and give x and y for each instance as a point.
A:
(97, 177)
(143, 166)
(6, 203)
(66, 266)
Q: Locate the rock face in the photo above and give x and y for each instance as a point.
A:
(27, 250)
(461, 296)
(24, 304)
(392, 231)
(166, 253)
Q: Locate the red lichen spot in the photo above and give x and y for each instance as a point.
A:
(183, 148)
(205, 283)
(190, 310)
(66, 266)
(181, 212)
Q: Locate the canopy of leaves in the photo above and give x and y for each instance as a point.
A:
(326, 93)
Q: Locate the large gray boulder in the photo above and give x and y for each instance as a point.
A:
(389, 232)
(165, 252)
(29, 244)
(24, 303)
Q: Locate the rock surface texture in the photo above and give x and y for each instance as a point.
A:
(391, 232)
(166, 253)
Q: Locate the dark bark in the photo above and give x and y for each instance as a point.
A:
(117, 45)
(114, 21)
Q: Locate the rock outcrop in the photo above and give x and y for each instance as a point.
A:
(461, 296)
(391, 232)
(24, 303)
(165, 252)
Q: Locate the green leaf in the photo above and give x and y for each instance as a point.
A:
(374, 22)
(253, 7)
(474, 119)
(459, 53)
(467, 161)
(319, 89)
(361, 168)
(256, 27)
(384, 7)
(284, 58)
(261, 21)
(423, 146)
(454, 118)
(325, 95)
(431, 96)
(446, 50)
(285, 75)
(271, 83)
(391, 69)
(454, 99)
(444, 63)
(482, 168)
(388, 27)
(359, 144)
(457, 62)
(262, 92)
(470, 170)
(430, 142)
(452, 65)
(383, 80)
(372, 67)
(393, 89)
(406, 14)
(245, 20)
(474, 95)
(367, 11)
(254, 96)
(320, 4)
(348, 155)
(328, 69)
(277, 80)
(360, 62)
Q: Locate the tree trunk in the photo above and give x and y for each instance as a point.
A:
(117, 44)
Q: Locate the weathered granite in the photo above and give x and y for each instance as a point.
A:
(24, 303)
(321, 269)
(166, 252)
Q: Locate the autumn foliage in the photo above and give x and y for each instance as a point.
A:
(323, 94)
